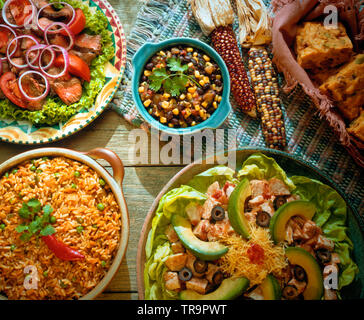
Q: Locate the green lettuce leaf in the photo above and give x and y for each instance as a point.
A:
(259, 166)
(54, 110)
(221, 174)
(331, 216)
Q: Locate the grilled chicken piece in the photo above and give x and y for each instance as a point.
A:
(268, 207)
(300, 285)
(207, 208)
(219, 229)
(200, 231)
(197, 284)
(176, 262)
(278, 187)
(88, 43)
(194, 212)
(325, 243)
(330, 294)
(310, 229)
(259, 188)
(256, 201)
(211, 271)
(171, 234)
(256, 294)
(289, 234)
(177, 247)
(85, 56)
(172, 281)
(190, 265)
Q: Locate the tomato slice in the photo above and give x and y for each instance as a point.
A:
(9, 86)
(78, 23)
(77, 66)
(20, 10)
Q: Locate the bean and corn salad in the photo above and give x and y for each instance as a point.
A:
(181, 86)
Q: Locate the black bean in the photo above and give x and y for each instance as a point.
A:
(206, 86)
(169, 115)
(174, 121)
(218, 82)
(149, 66)
(200, 91)
(144, 78)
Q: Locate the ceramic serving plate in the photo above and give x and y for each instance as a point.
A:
(115, 183)
(292, 166)
(24, 132)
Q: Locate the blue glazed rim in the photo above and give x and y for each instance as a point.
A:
(147, 51)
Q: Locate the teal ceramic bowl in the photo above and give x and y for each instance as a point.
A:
(147, 51)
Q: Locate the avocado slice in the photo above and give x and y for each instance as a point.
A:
(271, 288)
(236, 208)
(207, 251)
(281, 217)
(301, 257)
(229, 289)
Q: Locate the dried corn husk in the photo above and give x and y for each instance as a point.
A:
(211, 14)
(255, 23)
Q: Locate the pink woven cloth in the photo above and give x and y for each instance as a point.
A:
(288, 14)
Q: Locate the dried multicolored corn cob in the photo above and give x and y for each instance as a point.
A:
(266, 90)
(215, 18)
(224, 41)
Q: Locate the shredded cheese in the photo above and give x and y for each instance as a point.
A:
(236, 261)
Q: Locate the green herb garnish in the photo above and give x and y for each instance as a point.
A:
(173, 83)
(36, 223)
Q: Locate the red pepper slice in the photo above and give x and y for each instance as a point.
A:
(61, 250)
(77, 66)
(9, 86)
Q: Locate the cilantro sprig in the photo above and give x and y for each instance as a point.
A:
(174, 82)
(36, 223)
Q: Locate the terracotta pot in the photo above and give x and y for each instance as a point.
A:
(115, 183)
(292, 165)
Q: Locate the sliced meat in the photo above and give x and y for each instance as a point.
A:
(200, 231)
(59, 40)
(176, 262)
(33, 88)
(45, 22)
(172, 281)
(18, 61)
(194, 212)
(68, 88)
(171, 234)
(278, 187)
(310, 229)
(259, 188)
(64, 14)
(289, 234)
(88, 43)
(177, 247)
(197, 284)
(85, 56)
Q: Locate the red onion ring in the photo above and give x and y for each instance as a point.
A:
(35, 59)
(63, 26)
(26, 96)
(66, 62)
(13, 32)
(26, 21)
(9, 55)
(51, 4)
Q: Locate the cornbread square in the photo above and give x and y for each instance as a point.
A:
(318, 47)
(356, 128)
(346, 88)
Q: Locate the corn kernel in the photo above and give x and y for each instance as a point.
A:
(197, 74)
(141, 89)
(195, 54)
(206, 58)
(193, 123)
(147, 73)
(163, 119)
(189, 96)
(165, 104)
(202, 113)
(218, 76)
(219, 98)
(191, 89)
(150, 111)
(206, 79)
(205, 104)
(147, 102)
(170, 125)
(190, 64)
(175, 111)
(182, 96)
(201, 82)
(162, 53)
(214, 104)
(166, 95)
(189, 49)
(195, 95)
(197, 107)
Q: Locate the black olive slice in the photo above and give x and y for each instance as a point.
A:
(247, 206)
(185, 274)
(263, 219)
(290, 292)
(200, 266)
(299, 273)
(279, 201)
(323, 255)
(217, 278)
(217, 213)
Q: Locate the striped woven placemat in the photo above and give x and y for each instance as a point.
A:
(308, 136)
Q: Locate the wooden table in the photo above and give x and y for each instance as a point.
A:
(141, 184)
